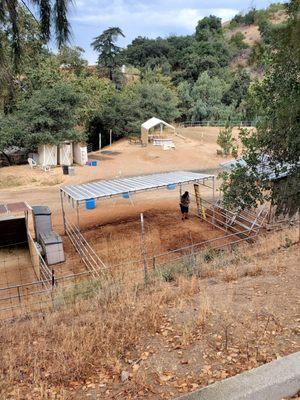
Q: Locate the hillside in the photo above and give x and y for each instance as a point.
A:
(251, 32)
(252, 36)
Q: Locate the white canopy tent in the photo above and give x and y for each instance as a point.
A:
(150, 124)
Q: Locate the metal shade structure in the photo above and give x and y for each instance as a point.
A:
(272, 172)
(106, 189)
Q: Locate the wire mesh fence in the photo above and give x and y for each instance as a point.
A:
(72, 281)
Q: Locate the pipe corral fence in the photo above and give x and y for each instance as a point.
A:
(52, 290)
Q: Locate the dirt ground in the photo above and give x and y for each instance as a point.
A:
(223, 325)
(197, 152)
(120, 241)
(242, 312)
(15, 267)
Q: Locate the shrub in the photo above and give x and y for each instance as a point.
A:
(225, 140)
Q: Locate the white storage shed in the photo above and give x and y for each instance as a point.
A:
(47, 154)
(80, 153)
(65, 155)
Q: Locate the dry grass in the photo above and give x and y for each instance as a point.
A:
(10, 181)
(69, 344)
(94, 335)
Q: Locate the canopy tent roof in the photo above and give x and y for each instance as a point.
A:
(272, 172)
(152, 122)
(106, 189)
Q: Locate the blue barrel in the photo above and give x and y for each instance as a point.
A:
(90, 204)
(94, 163)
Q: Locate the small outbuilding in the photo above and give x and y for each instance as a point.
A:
(47, 154)
(150, 124)
(65, 154)
(80, 153)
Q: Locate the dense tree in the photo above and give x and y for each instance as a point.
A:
(203, 100)
(128, 109)
(277, 140)
(32, 47)
(71, 57)
(48, 116)
(144, 52)
(238, 89)
(208, 27)
(184, 57)
(105, 45)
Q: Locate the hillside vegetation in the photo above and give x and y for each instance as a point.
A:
(203, 76)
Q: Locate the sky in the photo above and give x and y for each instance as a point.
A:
(150, 18)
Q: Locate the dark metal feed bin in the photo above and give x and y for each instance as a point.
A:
(41, 220)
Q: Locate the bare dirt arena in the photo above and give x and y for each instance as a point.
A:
(197, 152)
(113, 229)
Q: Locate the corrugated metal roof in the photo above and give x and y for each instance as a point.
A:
(272, 172)
(104, 189)
(152, 122)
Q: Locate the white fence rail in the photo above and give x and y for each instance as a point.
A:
(218, 123)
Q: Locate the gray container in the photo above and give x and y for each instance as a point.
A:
(52, 247)
(71, 171)
(41, 220)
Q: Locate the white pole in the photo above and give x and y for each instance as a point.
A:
(100, 141)
(110, 137)
(63, 210)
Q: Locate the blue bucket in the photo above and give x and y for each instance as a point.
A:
(171, 186)
(94, 163)
(90, 204)
(125, 195)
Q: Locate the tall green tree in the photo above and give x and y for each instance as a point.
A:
(32, 47)
(105, 45)
(277, 139)
(203, 100)
(71, 57)
(52, 14)
(48, 116)
(208, 27)
(126, 110)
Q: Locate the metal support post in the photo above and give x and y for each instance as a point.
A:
(213, 217)
(63, 210)
(77, 212)
(143, 248)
